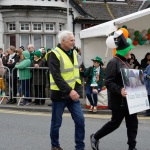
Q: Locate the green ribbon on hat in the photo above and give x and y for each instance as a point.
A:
(126, 50)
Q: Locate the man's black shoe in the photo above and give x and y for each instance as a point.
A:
(132, 149)
(57, 148)
(9, 101)
(14, 101)
(94, 143)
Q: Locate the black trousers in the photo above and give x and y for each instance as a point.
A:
(117, 117)
(148, 111)
(39, 93)
(14, 86)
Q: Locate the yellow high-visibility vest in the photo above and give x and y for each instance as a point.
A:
(69, 71)
(46, 55)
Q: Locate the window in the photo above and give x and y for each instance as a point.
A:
(13, 40)
(49, 42)
(24, 41)
(24, 26)
(49, 27)
(12, 27)
(37, 41)
(61, 27)
(37, 27)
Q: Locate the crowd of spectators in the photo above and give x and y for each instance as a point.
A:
(23, 74)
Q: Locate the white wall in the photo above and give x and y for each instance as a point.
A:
(97, 47)
(94, 47)
(77, 35)
(51, 3)
(139, 24)
(1, 31)
(77, 27)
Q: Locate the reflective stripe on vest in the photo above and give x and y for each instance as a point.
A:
(69, 71)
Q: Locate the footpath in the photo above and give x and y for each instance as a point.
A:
(45, 108)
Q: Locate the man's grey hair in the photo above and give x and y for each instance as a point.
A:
(31, 45)
(12, 48)
(64, 35)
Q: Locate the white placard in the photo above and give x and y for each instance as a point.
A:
(137, 98)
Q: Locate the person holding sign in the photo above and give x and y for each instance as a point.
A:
(117, 95)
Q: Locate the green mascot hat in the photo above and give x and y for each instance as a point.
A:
(98, 59)
(124, 45)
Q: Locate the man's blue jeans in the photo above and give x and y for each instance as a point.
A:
(77, 115)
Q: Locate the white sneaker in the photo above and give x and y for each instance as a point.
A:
(91, 108)
(95, 109)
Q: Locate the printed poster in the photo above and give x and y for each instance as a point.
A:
(137, 98)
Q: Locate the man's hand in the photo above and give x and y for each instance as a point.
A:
(74, 95)
(123, 92)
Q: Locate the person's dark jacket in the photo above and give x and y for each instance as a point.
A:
(88, 75)
(11, 66)
(65, 89)
(114, 83)
(144, 63)
(39, 75)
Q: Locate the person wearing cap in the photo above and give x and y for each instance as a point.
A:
(93, 87)
(39, 78)
(117, 102)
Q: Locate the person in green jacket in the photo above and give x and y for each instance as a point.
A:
(24, 75)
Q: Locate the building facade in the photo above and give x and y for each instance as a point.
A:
(23, 22)
(38, 22)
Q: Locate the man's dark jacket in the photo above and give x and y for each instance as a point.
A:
(114, 83)
(65, 89)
